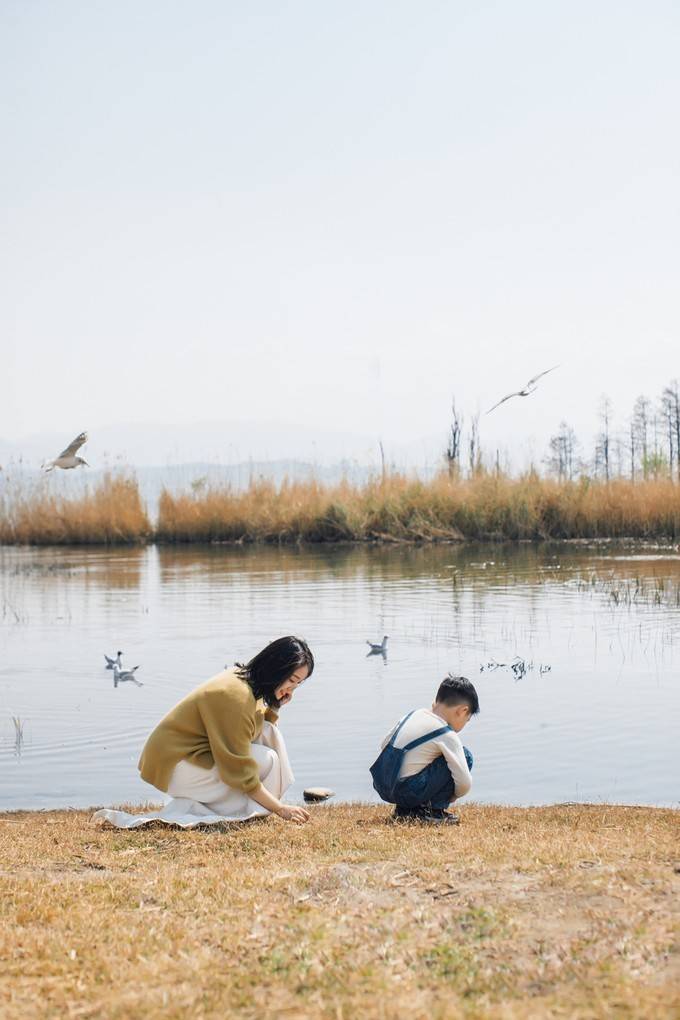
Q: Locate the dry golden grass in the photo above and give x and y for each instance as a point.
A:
(398, 509)
(567, 911)
(112, 513)
(402, 509)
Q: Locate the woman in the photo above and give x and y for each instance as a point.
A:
(218, 753)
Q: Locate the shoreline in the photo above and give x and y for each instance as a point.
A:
(7, 813)
(653, 542)
(566, 910)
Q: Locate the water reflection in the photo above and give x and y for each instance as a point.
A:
(560, 641)
(18, 735)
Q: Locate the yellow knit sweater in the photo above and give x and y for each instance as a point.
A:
(213, 725)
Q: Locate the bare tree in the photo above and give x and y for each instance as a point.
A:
(562, 459)
(632, 447)
(670, 402)
(603, 442)
(453, 445)
(640, 426)
(666, 414)
(618, 453)
(656, 460)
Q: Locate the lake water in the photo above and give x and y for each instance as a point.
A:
(600, 724)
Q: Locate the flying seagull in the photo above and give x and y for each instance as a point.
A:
(67, 458)
(526, 391)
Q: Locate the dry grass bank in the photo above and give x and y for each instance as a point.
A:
(567, 911)
(398, 509)
(111, 513)
(402, 509)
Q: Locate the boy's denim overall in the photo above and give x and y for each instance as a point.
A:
(433, 785)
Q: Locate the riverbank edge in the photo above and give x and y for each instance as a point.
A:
(656, 542)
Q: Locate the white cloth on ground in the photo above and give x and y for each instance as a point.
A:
(449, 744)
(200, 797)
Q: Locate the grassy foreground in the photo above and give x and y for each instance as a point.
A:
(567, 911)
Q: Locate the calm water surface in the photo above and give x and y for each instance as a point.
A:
(600, 724)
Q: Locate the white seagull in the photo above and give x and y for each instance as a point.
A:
(67, 458)
(118, 661)
(121, 675)
(526, 391)
(378, 649)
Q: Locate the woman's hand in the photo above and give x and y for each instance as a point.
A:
(285, 698)
(286, 811)
(293, 814)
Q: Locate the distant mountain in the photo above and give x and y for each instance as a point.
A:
(204, 442)
(237, 448)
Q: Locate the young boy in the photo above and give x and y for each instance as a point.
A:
(423, 766)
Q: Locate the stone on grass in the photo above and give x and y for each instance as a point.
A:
(317, 793)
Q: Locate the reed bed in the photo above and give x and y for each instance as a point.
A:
(394, 509)
(485, 507)
(111, 513)
(518, 913)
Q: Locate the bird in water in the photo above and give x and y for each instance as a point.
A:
(118, 661)
(122, 675)
(380, 649)
(67, 458)
(526, 391)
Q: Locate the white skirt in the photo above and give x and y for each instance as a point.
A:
(201, 797)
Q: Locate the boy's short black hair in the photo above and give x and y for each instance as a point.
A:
(457, 690)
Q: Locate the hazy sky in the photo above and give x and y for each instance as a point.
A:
(337, 214)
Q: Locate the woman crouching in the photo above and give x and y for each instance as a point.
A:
(220, 747)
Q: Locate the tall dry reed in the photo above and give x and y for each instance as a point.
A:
(396, 509)
(111, 513)
(487, 506)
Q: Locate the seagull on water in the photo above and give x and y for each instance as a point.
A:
(380, 649)
(67, 458)
(527, 390)
(121, 675)
(118, 661)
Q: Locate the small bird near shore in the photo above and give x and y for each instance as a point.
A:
(526, 391)
(380, 649)
(67, 458)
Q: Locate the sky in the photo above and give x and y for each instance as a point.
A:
(337, 216)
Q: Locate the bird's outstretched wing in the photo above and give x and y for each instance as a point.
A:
(517, 394)
(74, 446)
(532, 382)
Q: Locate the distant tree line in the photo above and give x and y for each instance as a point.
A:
(646, 446)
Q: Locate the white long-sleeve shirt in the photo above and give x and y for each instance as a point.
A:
(449, 744)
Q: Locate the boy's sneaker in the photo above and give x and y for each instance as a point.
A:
(439, 816)
(427, 815)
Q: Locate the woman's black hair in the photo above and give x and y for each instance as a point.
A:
(277, 662)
